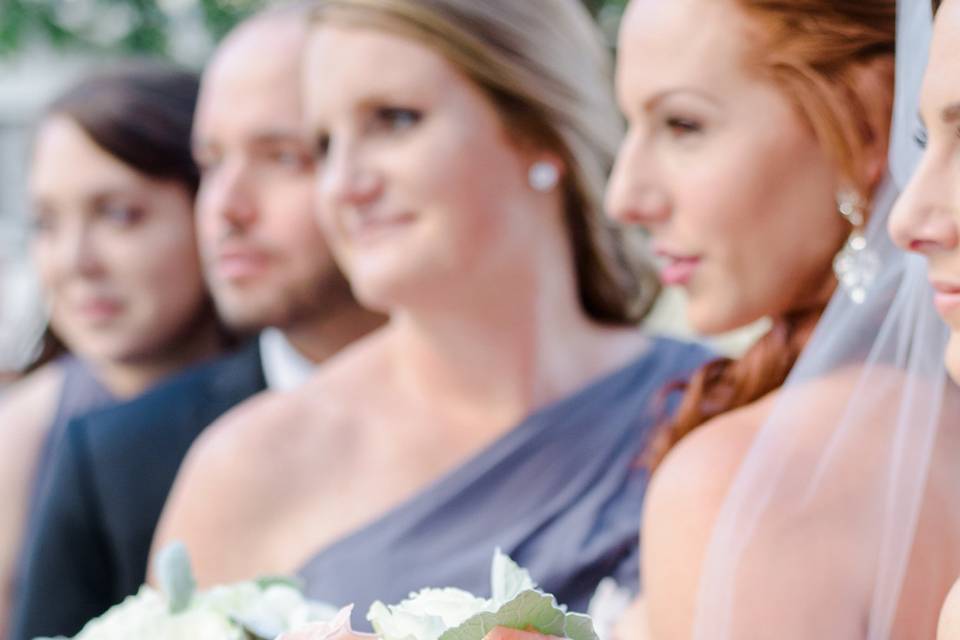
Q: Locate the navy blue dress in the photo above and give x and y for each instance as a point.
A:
(561, 493)
(80, 393)
(109, 478)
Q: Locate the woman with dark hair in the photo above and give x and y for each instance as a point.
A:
(111, 184)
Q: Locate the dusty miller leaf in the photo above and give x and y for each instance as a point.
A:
(175, 576)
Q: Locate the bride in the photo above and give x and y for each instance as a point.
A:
(927, 217)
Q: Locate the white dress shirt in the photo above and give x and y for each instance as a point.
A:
(284, 368)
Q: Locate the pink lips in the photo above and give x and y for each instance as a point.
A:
(99, 310)
(676, 270)
(946, 297)
(372, 228)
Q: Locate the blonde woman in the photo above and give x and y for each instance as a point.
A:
(462, 152)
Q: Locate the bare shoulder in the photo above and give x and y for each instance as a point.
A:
(27, 408)
(685, 497)
(268, 428)
(32, 397)
(694, 478)
(705, 462)
(822, 537)
(26, 411)
(258, 458)
(700, 468)
(233, 474)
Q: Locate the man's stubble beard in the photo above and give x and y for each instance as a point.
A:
(293, 305)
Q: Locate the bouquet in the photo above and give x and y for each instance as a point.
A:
(275, 608)
(518, 609)
(255, 610)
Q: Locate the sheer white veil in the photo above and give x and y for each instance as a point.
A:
(820, 522)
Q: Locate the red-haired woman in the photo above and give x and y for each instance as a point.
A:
(756, 154)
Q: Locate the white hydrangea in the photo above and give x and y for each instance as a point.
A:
(256, 609)
(146, 616)
(425, 615)
(453, 614)
(223, 613)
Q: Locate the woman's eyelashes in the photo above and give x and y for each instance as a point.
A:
(920, 136)
(115, 214)
(683, 127)
(385, 120)
(120, 214)
(396, 118)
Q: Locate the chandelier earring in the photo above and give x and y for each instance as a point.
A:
(856, 266)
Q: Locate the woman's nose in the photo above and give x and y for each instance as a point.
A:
(633, 195)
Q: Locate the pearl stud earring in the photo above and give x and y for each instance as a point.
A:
(543, 176)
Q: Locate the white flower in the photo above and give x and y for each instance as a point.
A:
(146, 616)
(230, 612)
(425, 615)
(453, 614)
(508, 579)
(607, 606)
(219, 614)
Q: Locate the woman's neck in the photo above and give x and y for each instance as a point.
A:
(345, 321)
(127, 378)
(503, 351)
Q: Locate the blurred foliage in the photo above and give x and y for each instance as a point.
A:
(115, 26)
(150, 26)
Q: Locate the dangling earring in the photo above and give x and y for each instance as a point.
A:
(856, 266)
(543, 176)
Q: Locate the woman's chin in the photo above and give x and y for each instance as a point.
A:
(949, 627)
(952, 358)
(388, 293)
(710, 318)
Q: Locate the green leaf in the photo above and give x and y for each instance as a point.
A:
(175, 576)
(580, 627)
(530, 609)
(265, 582)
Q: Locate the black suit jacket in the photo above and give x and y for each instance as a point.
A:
(111, 478)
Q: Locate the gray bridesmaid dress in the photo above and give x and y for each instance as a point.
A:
(561, 493)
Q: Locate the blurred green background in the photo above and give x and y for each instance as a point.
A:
(181, 29)
(47, 44)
